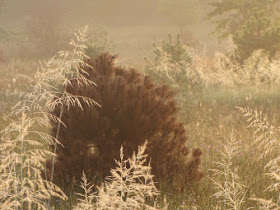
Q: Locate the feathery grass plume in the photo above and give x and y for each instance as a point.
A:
(230, 192)
(130, 186)
(70, 65)
(21, 163)
(50, 82)
(267, 135)
(87, 198)
(47, 92)
(268, 141)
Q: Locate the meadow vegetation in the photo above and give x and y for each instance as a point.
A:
(228, 109)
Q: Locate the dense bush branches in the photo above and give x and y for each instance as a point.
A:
(133, 110)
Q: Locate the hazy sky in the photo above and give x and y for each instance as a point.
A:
(108, 12)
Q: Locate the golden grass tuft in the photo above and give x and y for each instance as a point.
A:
(130, 186)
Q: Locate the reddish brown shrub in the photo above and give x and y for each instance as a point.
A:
(133, 110)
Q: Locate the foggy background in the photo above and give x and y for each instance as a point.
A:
(130, 25)
(108, 12)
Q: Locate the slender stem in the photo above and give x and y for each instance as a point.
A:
(56, 137)
(59, 124)
(55, 144)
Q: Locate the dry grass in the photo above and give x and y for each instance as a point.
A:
(258, 70)
(129, 187)
(24, 140)
(267, 141)
(22, 159)
(209, 113)
(230, 192)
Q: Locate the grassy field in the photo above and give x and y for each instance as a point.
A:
(213, 119)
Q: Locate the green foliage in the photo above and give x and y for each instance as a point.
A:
(180, 12)
(169, 62)
(230, 15)
(257, 33)
(251, 24)
(176, 52)
(173, 65)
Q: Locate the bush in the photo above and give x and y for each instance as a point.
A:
(173, 64)
(133, 110)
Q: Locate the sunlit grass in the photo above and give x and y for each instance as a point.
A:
(209, 115)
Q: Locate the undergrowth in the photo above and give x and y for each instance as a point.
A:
(130, 186)
(244, 170)
(24, 141)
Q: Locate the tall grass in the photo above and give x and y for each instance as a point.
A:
(252, 160)
(184, 67)
(24, 140)
(230, 192)
(130, 186)
(267, 140)
(22, 160)
(209, 112)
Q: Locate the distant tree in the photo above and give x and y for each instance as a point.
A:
(180, 12)
(231, 15)
(258, 32)
(252, 24)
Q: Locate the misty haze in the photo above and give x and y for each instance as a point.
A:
(139, 104)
